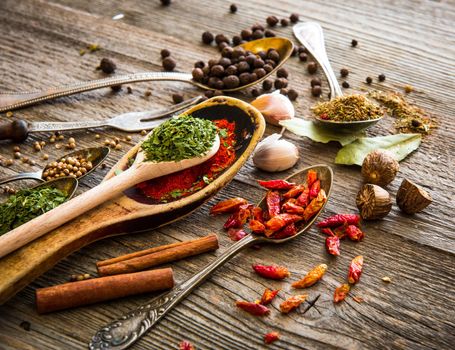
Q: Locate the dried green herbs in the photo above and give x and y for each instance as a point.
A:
(179, 138)
(348, 109)
(409, 118)
(28, 204)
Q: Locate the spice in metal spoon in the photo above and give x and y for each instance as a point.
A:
(179, 138)
(348, 108)
(27, 204)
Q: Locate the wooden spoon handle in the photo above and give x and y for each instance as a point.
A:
(46, 222)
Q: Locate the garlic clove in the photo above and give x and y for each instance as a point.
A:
(274, 107)
(274, 154)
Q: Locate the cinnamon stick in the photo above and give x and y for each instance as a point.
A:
(156, 256)
(94, 290)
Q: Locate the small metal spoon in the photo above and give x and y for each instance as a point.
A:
(127, 329)
(96, 155)
(311, 36)
(67, 185)
(10, 101)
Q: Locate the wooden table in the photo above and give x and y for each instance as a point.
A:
(411, 42)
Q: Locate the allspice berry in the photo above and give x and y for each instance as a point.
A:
(379, 168)
(373, 202)
(411, 198)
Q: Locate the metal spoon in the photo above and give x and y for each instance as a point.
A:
(10, 101)
(311, 36)
(126, 330)
(67, 185)
(96, 155)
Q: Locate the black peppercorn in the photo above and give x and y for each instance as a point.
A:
(116, 88)
(258, 63)
(316, 91)
(209, 93)
(416, 123)
(257, 26)
(221, 38)
(165, 2)
(258, 34)
(199, 64)
(177, 98)
(260, 72)
(107, 65)
(312, 67)
(272, 21)
(282, 73)
(344, 72)
(246, 34)
(227, 52)
(231, 81)
(237, 52)
(225, 62)
(244, 78)
(218, 93)
(284, 22)
(281, 83)
(207, 38)
(255, 92)
(169, 64)
(231, 70)
(268, 68)
(236, 40)
(293, 94)
(233, 8)
(294, 51)
(222, 45)
(274, 55)
(243, 67)
(302, 49)
(269, 34)
(369, 80)
(294, 18)
(303, 56)
(165, 53)
(217, 70)
(215, 83)
(270, 62)
(381, 77)
(284, 91)
(267, 84)
(198, 74)
(253, 77)
(345, 84)
(315, 81)
(354, 43)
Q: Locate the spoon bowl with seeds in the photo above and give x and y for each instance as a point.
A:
(93, 156)
(283, 46)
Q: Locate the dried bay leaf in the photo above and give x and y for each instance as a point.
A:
(307, 128)
(399, 145)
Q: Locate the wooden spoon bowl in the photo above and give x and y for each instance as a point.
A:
(132, 212)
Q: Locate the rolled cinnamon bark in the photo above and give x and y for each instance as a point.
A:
(94, 290)
(156, 256)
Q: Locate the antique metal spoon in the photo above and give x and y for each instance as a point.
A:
(126, 330)
(311, 36)
(96, 155)
(14, 100)
(67, 185)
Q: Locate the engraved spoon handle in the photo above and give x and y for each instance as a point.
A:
(126, 330)
(10, 101)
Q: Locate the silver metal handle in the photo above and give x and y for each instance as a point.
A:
(125, 331)
(22, 176)
(311, 36)
(62, 126)
(10, 101)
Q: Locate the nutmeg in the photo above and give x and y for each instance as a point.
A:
(411, 198)
(373, 202)
(379, 168)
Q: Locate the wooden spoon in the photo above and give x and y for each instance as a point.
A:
(140, 171)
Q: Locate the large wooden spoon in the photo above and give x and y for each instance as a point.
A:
(140, 171)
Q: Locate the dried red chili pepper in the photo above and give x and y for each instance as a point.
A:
(332, 244)
(273, 203)
(315, 205)
(285, 232)
(292, 208)
(276, 184)
(227, 206)
(186, 345)
(257, 214)
(268, 296)
(239, 218)
(340, 231)
(354, 233)
(341, 292)
(236, 234)
(271, 337)
(253, 308)
(281, 220)
(340, 219)
(311, 277)
(328, 232)
(294, 191)
(314, 189)
(304, 197)
(272, 271)
(292, 303)
(355, 269)
(311, 176)
(257, 226)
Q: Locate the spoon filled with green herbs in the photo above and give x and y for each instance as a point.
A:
(175, 145)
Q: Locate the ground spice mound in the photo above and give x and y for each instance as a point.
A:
(186, 182)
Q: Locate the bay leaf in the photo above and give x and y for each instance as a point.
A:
(399, 145)
(307, 128)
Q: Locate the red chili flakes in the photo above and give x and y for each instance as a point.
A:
(271, 337)
(236, 234)
(355, 269)
(332, 243)
(287, 231)
(315, 205)
(268, 296)
(340, 219)
(311, 277)
(273, 203)
(186, 345)
(272, 271)
(276, 184)
(292, 303)
(227, 206)
(256, 226)
(341, 292)
(354, 233)
(255, 309)
(358, 299)
(281, 220)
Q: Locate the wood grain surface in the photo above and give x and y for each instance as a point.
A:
(411, 42)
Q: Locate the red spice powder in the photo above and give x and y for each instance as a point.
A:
(188, 181)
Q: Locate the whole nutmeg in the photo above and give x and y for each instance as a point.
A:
(373, 202)
(379, 168)
(411, 198)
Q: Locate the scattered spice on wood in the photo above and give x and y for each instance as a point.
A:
(355, 269)
(341, 293)
(312, 67)
(358, 299)
(186, 345)
(345, 84)
(107, 66)
(165, 53)
(169, 64)
(254, 309)
(311, 277)
(354, 42)
(268, 296)
(386, 279)
(294, 17)
(381, 77)
(94, 290)
(344, 72)
(369, 80)
(273, 272)
(292, 303)
(271, 337)
(316, 91)
(25, 325)
(76, 166)
(233, 8)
